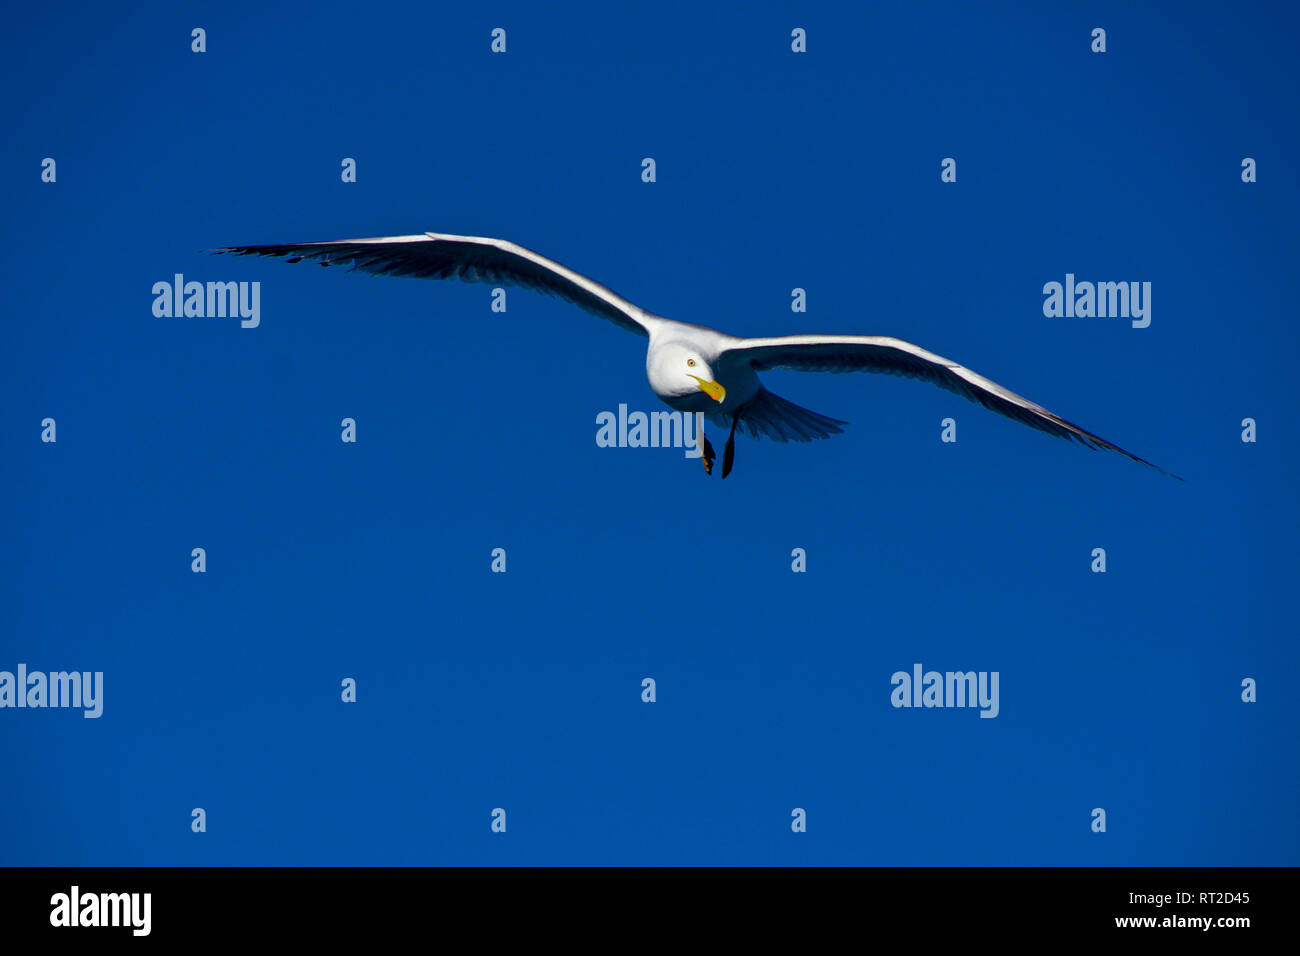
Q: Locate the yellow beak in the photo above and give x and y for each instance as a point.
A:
(712, 389)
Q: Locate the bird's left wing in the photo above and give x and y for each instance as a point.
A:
(432, 255)
(890, 356)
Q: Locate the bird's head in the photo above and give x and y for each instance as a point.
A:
(680, 370)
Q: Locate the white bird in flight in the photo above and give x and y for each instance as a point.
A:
(692, 368)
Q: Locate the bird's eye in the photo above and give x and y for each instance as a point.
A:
(691, 363)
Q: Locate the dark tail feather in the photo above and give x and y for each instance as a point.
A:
(773, 417)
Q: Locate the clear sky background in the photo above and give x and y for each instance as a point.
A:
(476, 430)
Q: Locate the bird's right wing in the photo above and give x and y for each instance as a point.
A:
(890, 356)
(433, 255)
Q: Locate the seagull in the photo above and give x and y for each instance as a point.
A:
(691, 368)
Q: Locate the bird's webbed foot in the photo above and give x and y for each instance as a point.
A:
(707, 454)
(729, 450)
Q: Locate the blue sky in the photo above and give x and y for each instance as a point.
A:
(476, 430)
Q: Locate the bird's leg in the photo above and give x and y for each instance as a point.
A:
(729, 450)
(707, 455)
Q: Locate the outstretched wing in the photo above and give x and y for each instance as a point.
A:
(432, 255)
(890, 356)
